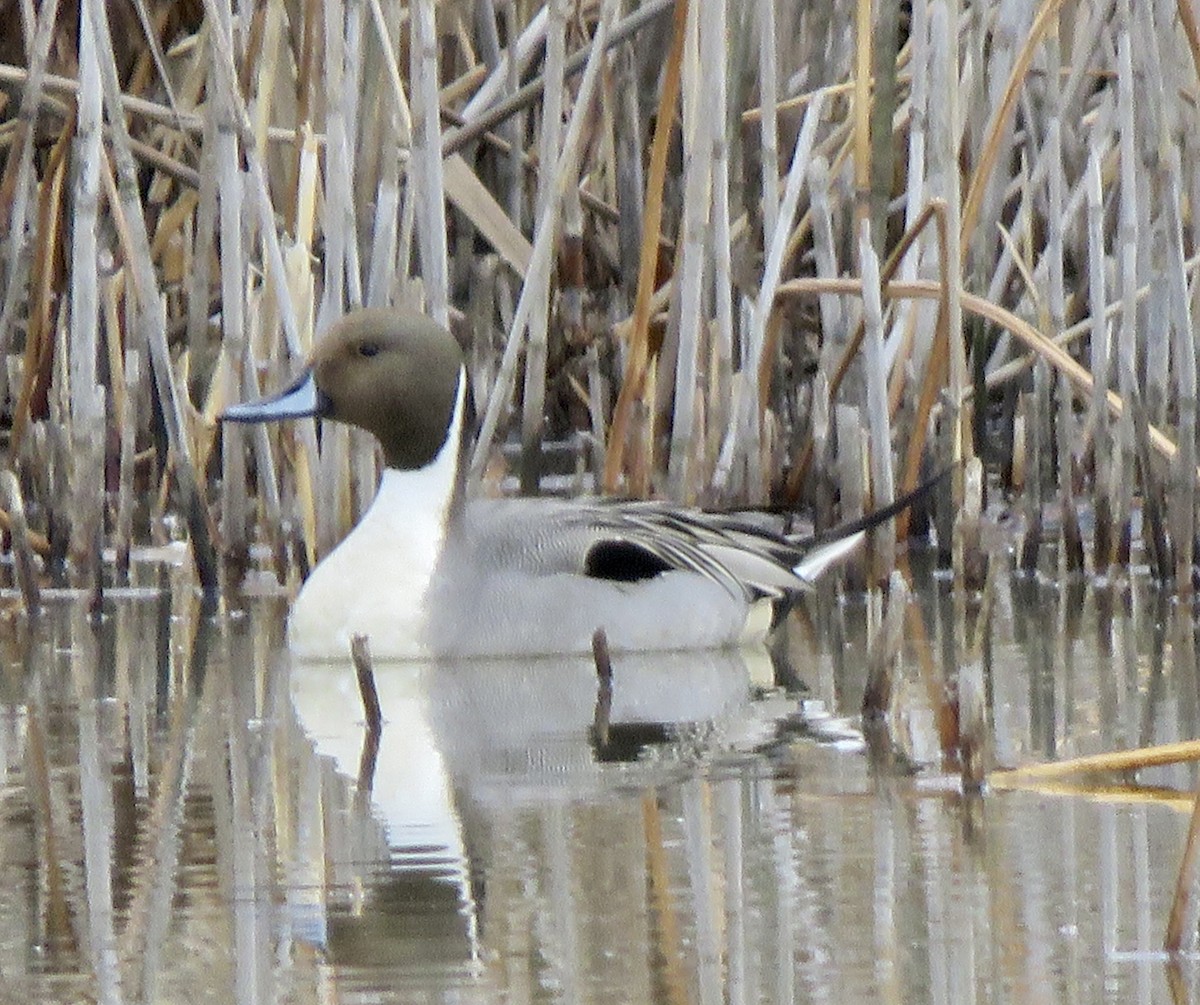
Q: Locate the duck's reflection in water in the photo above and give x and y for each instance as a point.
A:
(396, 879)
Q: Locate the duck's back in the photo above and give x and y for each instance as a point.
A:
(523, 577)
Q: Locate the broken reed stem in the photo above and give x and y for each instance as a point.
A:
(604, 688)
(364, 672)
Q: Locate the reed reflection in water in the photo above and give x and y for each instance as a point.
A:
(186, 816)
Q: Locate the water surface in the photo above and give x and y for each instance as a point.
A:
(187, 816)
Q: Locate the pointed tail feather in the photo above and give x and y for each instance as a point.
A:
(821, 558)
(875, 517)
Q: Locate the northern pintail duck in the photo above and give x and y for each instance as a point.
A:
(429, 572)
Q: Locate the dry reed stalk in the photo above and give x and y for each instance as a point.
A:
(87, 445)
(427, 162)
(501, 110)
(127, 425)
(822, 450)
(632, 386)
(471, 197)
(1101, 345)
(748, 422)
(186, 124)
(334, 516)
(1044, 347)
(16, 185)
(993, 142)
(630, 181)
(692, 276)
(41, 330)
(853, 478)
(516, 59)
(85, 306)
(883, 489)
(834, 326)
(944, 182)
(1037, 438)
(935, 379)
(225, 68)
(885, 99)
(768, 85)
(1071, 555)
(1127, 250)
(967, 547)
(537, 283)
(1112, 762)
(514, 126)
(233, 264)
(339, 228)
(862, 109)
(354, 117)
(537, 339)
(720, 370)
(1183, 496)
(837, 148)
(1182, 908)
(571, 275)
(149, 316)
(597, 400)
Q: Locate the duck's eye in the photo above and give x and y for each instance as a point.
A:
(368, 349)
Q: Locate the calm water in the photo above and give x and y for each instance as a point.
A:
(187, 817)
